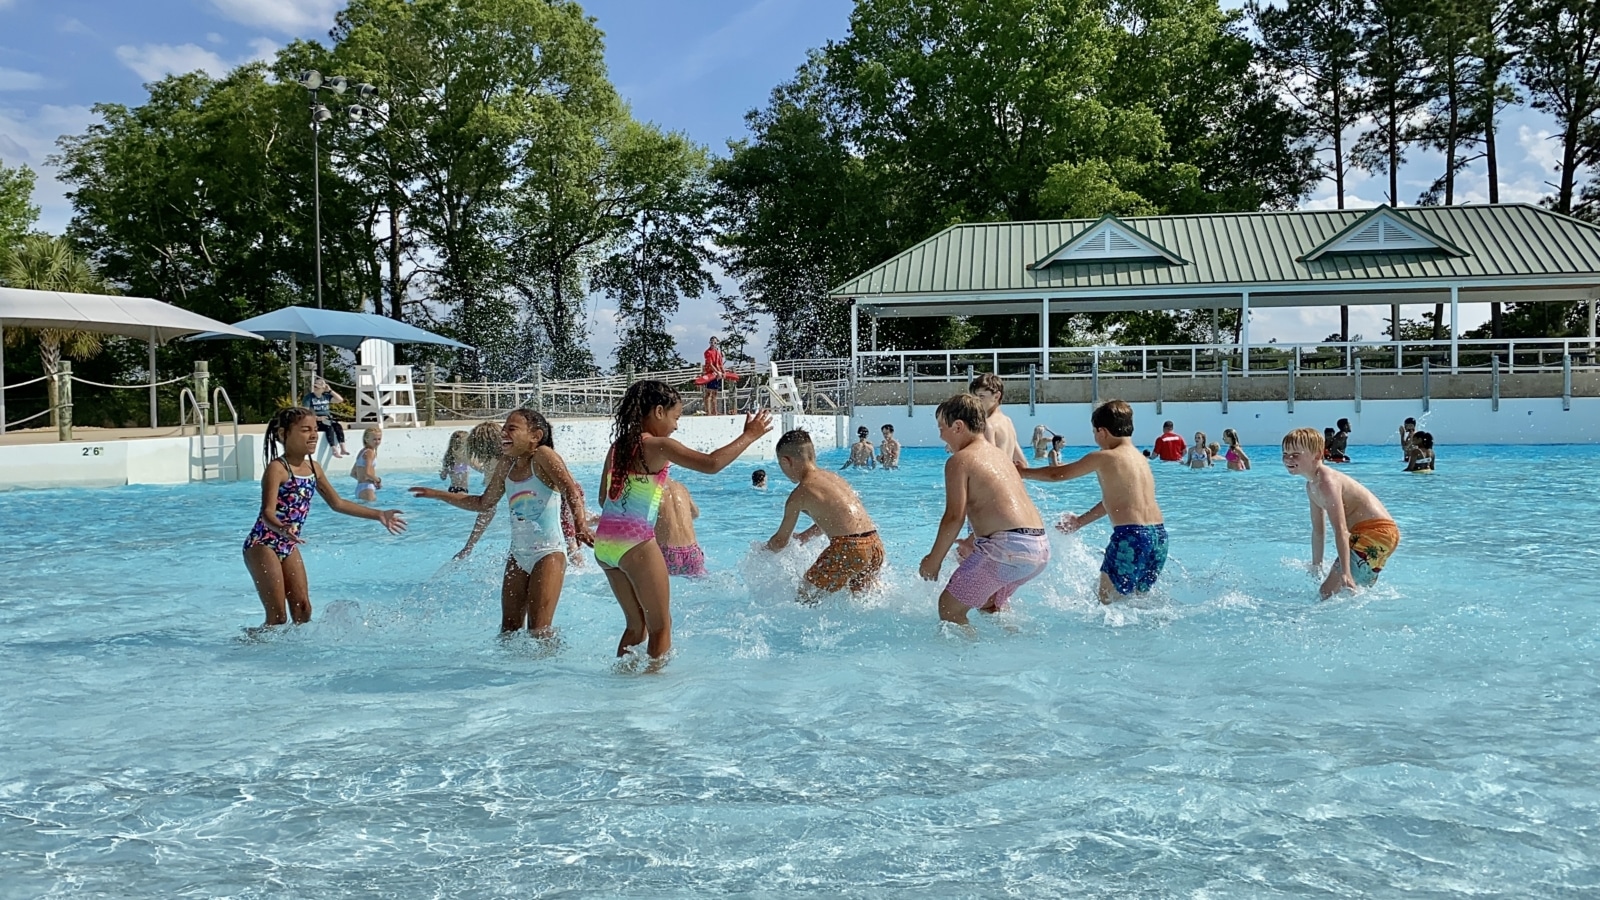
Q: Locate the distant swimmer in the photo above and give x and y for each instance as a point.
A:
(889, 450)
(1138, 549)
(854, 554)
(1057, 445)
(272, 551)
(365, 469)
(1364, 535)
(1238, 460)
(1422, 458)
(981, 486)
(1169, 446)
(862, 453)
(1201, 456)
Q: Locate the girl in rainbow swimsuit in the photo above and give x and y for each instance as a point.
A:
(534, 480)
(636, 471)
(272, 551)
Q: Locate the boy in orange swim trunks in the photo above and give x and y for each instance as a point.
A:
(1363, 533)
(855, 552)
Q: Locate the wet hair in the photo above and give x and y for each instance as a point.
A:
(535, 419)
(1409, 421)
(1214, 447)
(1425, 440)
(990, 382)
(281, 421)
(758, 477)
(1344, 424)
(863, 431)
(1230, 436)
(1116, 417)
(889, 428)
(1307, 439)
(483, 444)
(368, 433)
(627, 432)
(456, 451)
(963, 408)
(797, 444)
(1327, 433)
(1058, 439)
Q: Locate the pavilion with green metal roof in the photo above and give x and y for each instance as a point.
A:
(1507, 253)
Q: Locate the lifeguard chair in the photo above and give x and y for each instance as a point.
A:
(384, 391)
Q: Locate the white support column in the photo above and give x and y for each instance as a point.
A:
(1592, 295)
(3, 377)
(874, 345)
(1244, 332)
(1455, 332)
(855, 340)
(1044, 337)
(153, 378)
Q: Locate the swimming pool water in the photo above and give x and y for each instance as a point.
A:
(1228, 737)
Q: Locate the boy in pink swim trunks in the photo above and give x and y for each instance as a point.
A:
(982, 487)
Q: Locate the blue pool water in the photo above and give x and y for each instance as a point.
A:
(1230, 737)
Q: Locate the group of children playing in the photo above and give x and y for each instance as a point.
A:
(863, 455)
(644, 531)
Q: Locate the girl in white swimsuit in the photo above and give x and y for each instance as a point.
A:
(534, 479)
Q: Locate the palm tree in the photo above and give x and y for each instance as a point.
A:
(43, 263)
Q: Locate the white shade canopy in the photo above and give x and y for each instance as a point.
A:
(137, 317)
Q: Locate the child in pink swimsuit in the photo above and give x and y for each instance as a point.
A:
(630, 496)
(675, 532)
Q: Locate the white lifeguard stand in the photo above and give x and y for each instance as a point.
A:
(384, 392)
(783, 390)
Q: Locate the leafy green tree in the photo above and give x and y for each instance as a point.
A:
(17, 211)
(664, 254)
(1559, 67)
(1390, 33)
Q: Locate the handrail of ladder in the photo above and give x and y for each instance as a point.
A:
(183, 414)
(220, 396)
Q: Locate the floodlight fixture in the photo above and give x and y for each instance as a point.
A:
(320, 114)
(337, 84)
(310, 79)
(367, 91)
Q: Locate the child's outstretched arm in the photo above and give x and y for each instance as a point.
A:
(955, 514)
(1068, 523)
(711, 463)
(791, 518)
(484, 504)
(392, 519)
(1075, 469)
(550, 468)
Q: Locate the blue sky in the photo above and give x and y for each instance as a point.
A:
(694, 66)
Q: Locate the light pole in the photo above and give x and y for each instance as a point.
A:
(314, 83)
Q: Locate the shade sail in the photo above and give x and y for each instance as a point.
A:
(333, 328)
(138, 317)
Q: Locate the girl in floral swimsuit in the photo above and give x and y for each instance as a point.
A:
(272, 551)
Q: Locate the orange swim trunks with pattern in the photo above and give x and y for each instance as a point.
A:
(852, 561)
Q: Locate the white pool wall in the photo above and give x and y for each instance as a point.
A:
(1522, 421)
(175, 460)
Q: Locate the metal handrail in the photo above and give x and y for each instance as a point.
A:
(220, 396)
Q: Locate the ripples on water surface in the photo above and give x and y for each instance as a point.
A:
(1231, 737)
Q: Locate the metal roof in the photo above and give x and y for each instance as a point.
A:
(1496, 244)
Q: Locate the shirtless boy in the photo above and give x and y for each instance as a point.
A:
(1138, 548)
(861, 452)
(999, 429)
(981, 486)
(855, 552)
(1363, 534)
(889, 450)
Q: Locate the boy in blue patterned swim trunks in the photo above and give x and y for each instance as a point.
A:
(1138, 548)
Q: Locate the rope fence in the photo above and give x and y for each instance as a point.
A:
(139, 387)
(8, 386)
(42, 412)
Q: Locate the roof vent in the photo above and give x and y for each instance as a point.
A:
(1383, 231)
(1109, 240)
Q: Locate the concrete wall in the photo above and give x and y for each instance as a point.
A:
(1259, 386)
(174, 460)
(1518, 421)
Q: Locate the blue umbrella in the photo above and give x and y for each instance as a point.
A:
(330, 327)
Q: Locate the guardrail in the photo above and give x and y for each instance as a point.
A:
(1178, 360)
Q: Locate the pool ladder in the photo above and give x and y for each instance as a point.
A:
(214, 455)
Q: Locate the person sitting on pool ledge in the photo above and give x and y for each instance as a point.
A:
(855, 551)
(981, 486)
(1138, 549)
(1363, 534)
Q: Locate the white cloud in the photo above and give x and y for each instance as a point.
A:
(153, 62)
(1539, 148)
(214, 38)
(30, 138)
(18, 80)
(287, 16)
